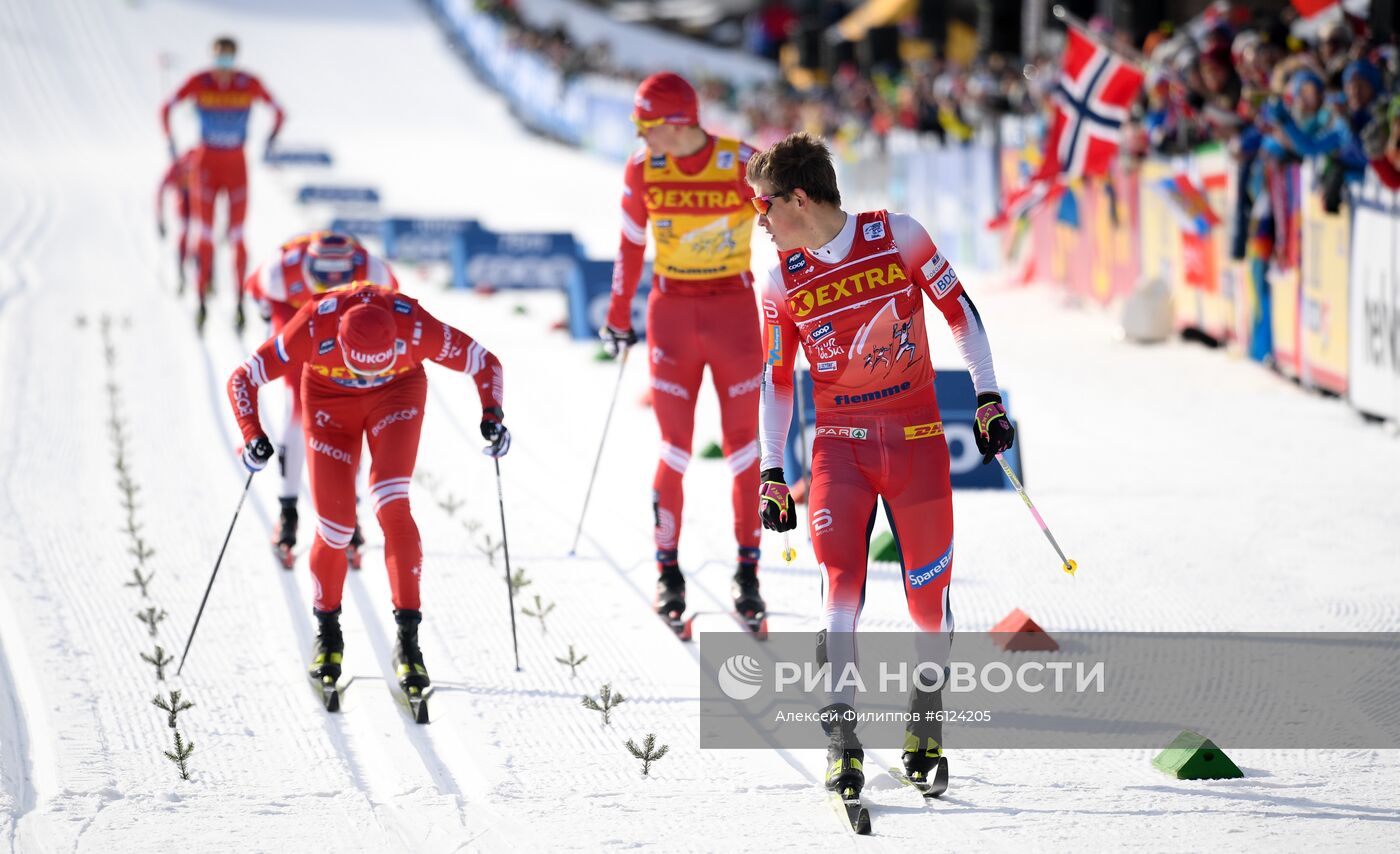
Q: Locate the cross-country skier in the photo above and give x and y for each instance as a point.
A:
(178, 179)
(859, 280)
(307, 265)
(223, 97)
(702, 311)
(360, 354)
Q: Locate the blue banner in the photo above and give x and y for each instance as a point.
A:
(314, 194)
(303, 157)
(588, 300)
(361, 228)
(516, 260)
(407, 239)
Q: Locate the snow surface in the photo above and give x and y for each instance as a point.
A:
(1197, 492)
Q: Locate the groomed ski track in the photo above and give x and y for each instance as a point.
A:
(1196, 492)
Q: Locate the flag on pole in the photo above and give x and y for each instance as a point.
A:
(1095, 91)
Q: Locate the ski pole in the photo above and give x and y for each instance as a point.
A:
(215, 573)
(789, 553)
(621, 366)
(505, 548)
(1066, 564)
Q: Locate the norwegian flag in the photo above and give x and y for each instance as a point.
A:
(1096, 89)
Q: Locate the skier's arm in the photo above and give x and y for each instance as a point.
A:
(775, 399)
(278, 115)
(181, 94)
(274, 358)
(631, 249)
(936, 278)
(452, 348)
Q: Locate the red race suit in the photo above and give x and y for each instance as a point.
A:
(223, 100)
(281, 286)
(856, 305)
(346, 410)
(702, 311)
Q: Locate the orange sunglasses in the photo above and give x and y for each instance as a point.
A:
(763, 204)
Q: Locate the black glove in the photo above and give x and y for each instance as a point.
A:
(493, 431)
(616, 340)
(256, 453)
(776, 507)
(994, 431)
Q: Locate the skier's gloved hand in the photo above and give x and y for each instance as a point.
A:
(776, 507)
(994, 431)
(256, 453)
(493, 431)
(616, 340)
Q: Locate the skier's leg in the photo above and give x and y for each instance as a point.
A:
(919, 504)
(841, 515)
(734, 352)
(202, 194)
(332, 452)
(676, 371)
(393, 424)
(237, 211)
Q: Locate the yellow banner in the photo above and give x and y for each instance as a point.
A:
(1326, 265)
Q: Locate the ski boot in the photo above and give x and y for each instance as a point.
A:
(408, 663)
(286, 533)
(748, 602)
(354, 551)
(327, 651)
(670, 594)
(845, 774)
(925, 766)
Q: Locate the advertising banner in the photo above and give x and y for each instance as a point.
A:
(1374, 366)
(1326, 264)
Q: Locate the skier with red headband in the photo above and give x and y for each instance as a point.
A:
(305, 266)
(702, 311)
(223, 97)
(851, 288)
(178, 179)
(359, 352)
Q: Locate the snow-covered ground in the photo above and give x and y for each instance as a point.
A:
(1196, 492)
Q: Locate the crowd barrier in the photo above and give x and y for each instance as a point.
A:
(1328, 317)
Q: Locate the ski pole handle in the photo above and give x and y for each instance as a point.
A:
(1066, 564)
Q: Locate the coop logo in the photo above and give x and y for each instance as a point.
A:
(326, 346)
(821, 332)
(923, 575)
(330, 450)
(393, 417)
(806, 300)
(740, 677)
(849, 399)
(796, 261)
(821, 521)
